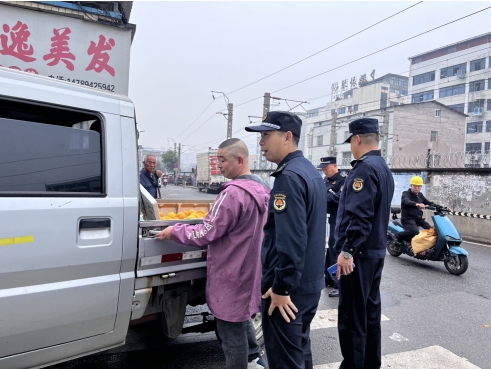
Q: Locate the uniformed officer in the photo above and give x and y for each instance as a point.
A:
(293, 246)
(361, 238)
(334, 181)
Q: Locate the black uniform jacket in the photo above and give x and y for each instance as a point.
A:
(295, 230)
(335, 183)
(364, 208)
(409, 209)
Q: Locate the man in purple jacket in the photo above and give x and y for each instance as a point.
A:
(233, 231)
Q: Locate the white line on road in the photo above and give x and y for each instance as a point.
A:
(478, 244)
(329, 319)
(434, 357)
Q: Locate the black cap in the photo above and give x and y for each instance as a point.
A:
(326, 161)
(279, 121)
(362, 125)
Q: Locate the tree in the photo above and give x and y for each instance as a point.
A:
(169, 158)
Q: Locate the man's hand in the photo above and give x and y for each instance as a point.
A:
(345, 266)
(421, 206)
(283, 303)
(166, 234)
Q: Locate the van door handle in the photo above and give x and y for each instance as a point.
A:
(95, 223)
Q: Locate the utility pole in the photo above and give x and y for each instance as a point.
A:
(332, 144)
(175, 147)
(229, 120)
(179, 160)
(385, 135)
(266, 106)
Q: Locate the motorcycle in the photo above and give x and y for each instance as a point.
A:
(164, 182)
(446, 249)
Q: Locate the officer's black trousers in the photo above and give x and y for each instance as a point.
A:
(288, 344)
(359, 315)
(331, 256)
(411, 227)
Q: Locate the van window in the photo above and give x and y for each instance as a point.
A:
(48, 151)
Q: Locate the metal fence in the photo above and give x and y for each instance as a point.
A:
(469, 159)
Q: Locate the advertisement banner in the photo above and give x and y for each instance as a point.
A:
(65, 48)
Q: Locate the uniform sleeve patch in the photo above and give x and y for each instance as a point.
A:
(279, 201)
(357, 184)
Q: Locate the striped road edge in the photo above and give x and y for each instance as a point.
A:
(434, 357)
(470, 215)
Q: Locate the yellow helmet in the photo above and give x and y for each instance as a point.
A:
(417, 181)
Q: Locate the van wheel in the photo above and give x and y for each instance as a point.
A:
(456, 264)
(391, 247)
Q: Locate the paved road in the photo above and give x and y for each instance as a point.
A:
(171, 192)
(431, 319)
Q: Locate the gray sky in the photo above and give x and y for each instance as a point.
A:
(184, 50)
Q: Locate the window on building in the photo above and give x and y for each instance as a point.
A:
(394, 103)
(458, 107)
(473, 148)
(383, 100)
(488, 126)
(452, 49)
(452, 90)
(355, 107)
(350, 108)
(476, 86)
(422, 96)
(312, 113)
(434, 136)
(423, 78)
(437, 112)
(474, 127)
(333, 111)
(487, 147)
(347, 158)
(342, 110)
(49, 151)
(478, 64)
(452, 71)
(320, 140)
(472, 105)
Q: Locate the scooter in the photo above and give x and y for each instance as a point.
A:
(446, 249)
(164, 182)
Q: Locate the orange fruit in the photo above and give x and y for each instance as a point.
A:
(202, 211)
(191, 217)
(181, 215)
(171, 214)
(186, 212)
(192, 211)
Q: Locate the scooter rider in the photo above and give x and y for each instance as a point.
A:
(412, 204)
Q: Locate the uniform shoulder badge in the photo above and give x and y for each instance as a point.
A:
(279, 201)
(357, 184)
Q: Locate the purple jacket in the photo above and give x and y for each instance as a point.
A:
(233, 231)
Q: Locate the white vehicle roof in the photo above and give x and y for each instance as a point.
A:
(29, 86)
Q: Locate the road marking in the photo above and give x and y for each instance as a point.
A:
(478, 244)
(434, 357)
(329, 319)
(397, 337)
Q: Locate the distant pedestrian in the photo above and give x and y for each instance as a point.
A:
(149, 177)
(361, 238)
(233, 232)
(293, 246)
(334, 181)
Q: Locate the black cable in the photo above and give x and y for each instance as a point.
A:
(212, 101)
(327, 48)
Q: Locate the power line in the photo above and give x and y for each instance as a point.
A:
(373, 53)
(206, 121)
(327, 48)
(212, 101)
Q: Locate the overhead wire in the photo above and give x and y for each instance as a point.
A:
(327, 48)
(212, 101)
(370, 54)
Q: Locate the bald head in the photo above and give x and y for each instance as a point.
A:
(233, 158)
(235, 148)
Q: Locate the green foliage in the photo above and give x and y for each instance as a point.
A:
(169, 158)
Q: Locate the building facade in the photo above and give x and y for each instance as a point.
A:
(459, 76)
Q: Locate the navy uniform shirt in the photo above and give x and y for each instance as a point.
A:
(150, 183)
(364, 208)
(295, 230)
(335, 183)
